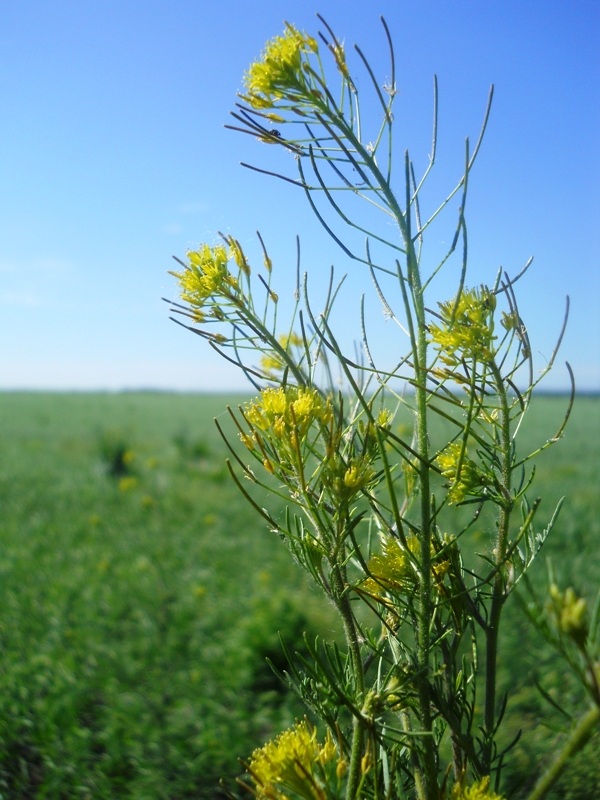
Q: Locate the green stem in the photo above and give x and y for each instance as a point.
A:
(358, 732)
(498, 595)
(578, 739)
(420, 787)
(424, 616)
(424, 598)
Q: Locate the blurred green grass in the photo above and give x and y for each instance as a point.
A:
(139, 597)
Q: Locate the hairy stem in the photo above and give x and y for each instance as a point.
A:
(358, 732)
(498, 595)
(424, 619)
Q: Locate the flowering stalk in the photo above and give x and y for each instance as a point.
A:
(370, 508)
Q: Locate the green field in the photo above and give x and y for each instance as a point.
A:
(140, 596)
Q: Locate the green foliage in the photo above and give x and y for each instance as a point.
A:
(81, 603)
(131, 651)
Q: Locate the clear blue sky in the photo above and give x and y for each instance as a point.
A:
(113, 157)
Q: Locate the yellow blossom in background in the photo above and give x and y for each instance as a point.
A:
(466, 329)
(280, 69)
(127, 483)
(478, 791)
(272, 361)
(288, 764)
(293, 340)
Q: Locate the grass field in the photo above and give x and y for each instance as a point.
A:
(139, 597)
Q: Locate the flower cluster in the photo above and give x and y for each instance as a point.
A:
(288, 412)
(465, 477)
(207, 277)
(345, 478)
(397, 567)
(466, 328)
(289, 765)
(478, 791)
(394, 568)
(280, 69)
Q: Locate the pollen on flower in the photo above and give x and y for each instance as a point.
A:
(288, 764)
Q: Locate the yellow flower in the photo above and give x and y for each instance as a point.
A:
(238, 255)
(478, 791)
(288, 763)
(285, 411)
(397, 568)
(341, 769)
(273, 362)
(274, 401)
(340, 59)
(279, 427)
(329, 750)
(280, 69)
(384, 418)
(466, 329)
(394, 568)
(206, 277)
(470, 480)
(358, 474)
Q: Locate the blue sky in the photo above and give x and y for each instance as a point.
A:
(113, 157)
